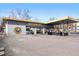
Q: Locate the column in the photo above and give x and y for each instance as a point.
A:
(72, 27)
(75, 27)
(6, 28)
(67, 27)
(63, 27)
(35, 31)
(43, 30)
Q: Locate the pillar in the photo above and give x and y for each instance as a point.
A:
(68, 28)
(6, 28)
(35, 31)
(75, 27)
(43, 30)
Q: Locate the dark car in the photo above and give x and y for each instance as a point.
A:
(29, 32)
(50, 32)
(39, 32)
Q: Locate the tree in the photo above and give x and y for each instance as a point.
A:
(19, 13)
(12, 14)
(25, 14)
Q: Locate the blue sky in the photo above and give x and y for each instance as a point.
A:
(43, 11)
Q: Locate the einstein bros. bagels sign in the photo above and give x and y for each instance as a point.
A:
(17, 30)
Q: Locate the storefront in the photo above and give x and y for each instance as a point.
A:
(15, 26)
(67, 23)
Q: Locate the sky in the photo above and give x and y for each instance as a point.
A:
(42, 11)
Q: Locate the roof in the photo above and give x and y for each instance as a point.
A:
(52, 21)
(21, 20)
(64, 18)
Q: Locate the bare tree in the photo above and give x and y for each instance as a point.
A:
(12, 14)
(25, 14)
(19, 13)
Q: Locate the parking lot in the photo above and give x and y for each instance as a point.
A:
(42, 45)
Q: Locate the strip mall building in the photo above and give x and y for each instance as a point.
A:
(68, 23)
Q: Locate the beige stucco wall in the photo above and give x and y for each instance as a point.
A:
(10, 29)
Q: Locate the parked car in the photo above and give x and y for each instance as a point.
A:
(29, 32)
(39, 32)
(65, 32)
(50, 32)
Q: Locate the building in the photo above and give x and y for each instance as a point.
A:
(67, 23)
(15, 26)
